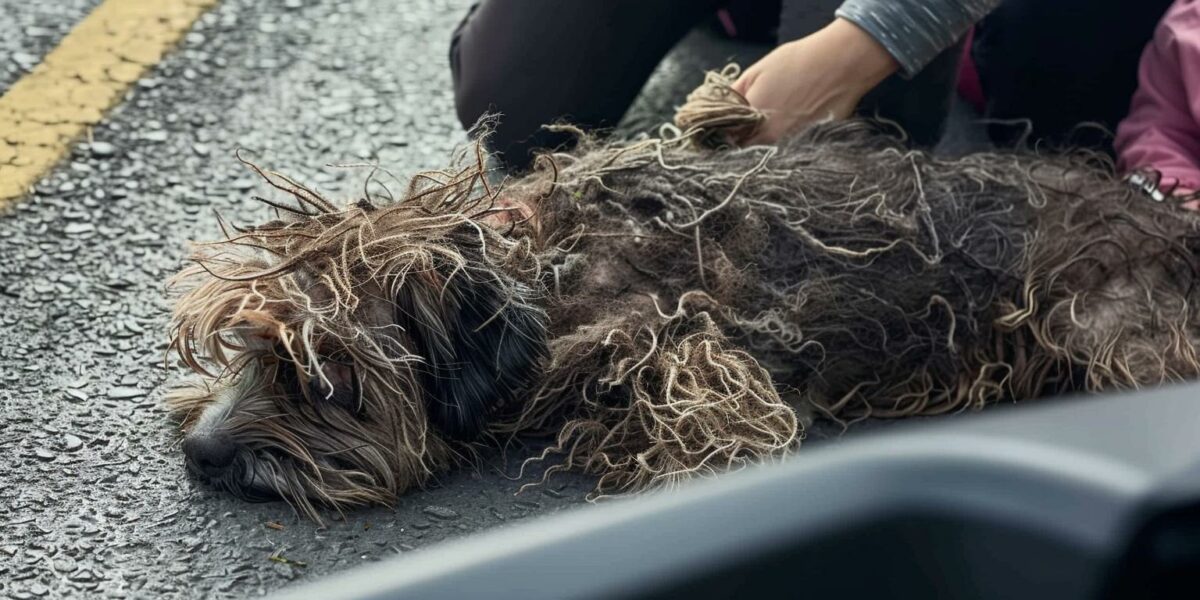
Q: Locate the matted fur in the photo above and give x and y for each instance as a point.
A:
(691, 305)
(325, 282)
(867, 278)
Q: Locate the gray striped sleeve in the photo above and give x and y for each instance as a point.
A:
(915, 31)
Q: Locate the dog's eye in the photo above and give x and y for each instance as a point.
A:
(337, 384)
(285, 373)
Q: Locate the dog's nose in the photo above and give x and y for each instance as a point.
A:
(211, 453)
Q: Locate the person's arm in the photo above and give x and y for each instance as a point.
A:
(818, 77)
(1162, 131)
(915, 31)
(825, 75)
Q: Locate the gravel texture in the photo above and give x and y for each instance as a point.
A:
(28, 30)
(94, 500)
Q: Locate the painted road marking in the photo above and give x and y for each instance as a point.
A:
(45, 111)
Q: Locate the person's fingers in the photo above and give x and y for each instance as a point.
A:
(767, 133)
(1191, 205)
(753, 95)
(745, 81)
(758, 139)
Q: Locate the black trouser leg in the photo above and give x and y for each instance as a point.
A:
(1058, 63)
(538, 61)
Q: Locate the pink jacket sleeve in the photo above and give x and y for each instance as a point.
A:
(1162, 131)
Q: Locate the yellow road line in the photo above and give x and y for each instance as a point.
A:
(87, 74)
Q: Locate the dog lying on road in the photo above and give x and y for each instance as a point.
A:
(666, 311)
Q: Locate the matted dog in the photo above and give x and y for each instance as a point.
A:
(666, 310)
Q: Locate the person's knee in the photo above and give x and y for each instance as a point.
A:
(473, 99)
(480, 106)
(481, 91)
(472, 89)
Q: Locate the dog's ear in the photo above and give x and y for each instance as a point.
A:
(481, 343)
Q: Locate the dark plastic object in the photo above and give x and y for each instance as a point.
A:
(1081, 498)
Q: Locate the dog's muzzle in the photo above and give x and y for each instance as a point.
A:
(222, 462)
(211, 455)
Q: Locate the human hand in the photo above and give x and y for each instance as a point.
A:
(822, 76)
(1192, 204)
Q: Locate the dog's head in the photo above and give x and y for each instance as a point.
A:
(343, 353)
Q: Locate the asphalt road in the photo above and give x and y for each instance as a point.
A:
(30, 29)
(94, 500)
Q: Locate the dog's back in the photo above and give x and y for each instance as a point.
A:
(875, 278)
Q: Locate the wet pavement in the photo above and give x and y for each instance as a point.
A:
(93, 497)
(94, 501)
(28, 30)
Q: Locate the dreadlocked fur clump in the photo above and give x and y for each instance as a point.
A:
(652, 400)
(666, 310)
